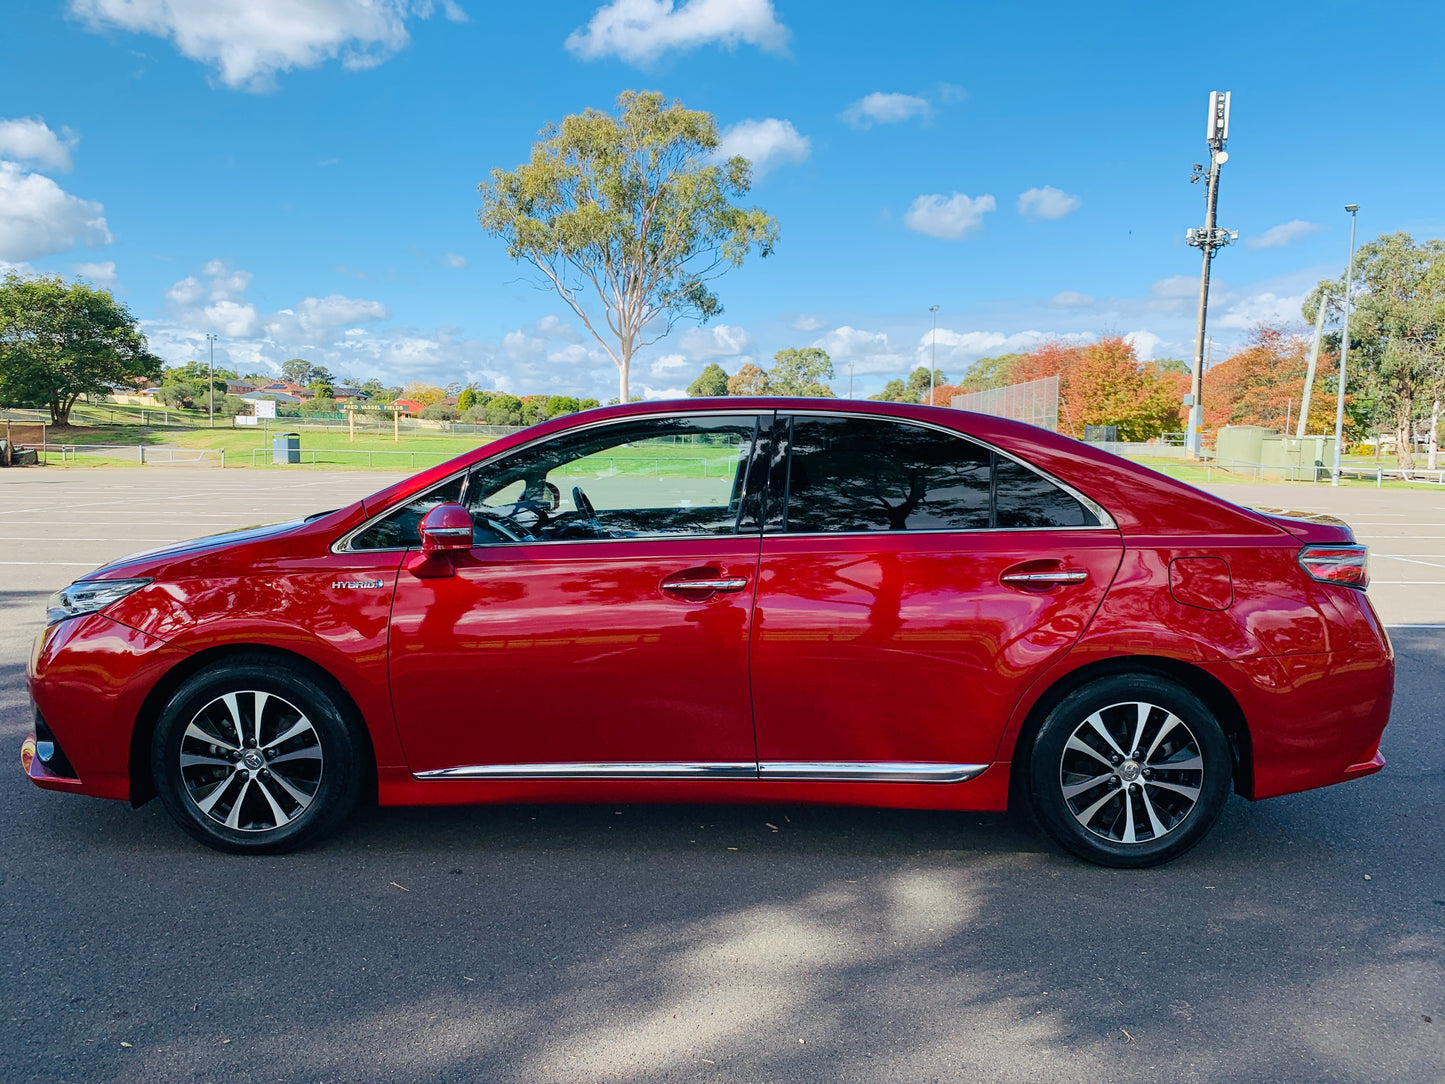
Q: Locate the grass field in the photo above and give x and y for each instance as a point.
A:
(332, 449)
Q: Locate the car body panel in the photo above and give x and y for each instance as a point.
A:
(840, 671)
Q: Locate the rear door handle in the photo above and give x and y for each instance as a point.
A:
(1039, 579)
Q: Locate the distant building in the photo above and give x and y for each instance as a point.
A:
(269, 393)
(407, 406)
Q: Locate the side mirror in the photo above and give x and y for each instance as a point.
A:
(445, 530)
(446, 527)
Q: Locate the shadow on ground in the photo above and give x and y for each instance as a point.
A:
(743, 943)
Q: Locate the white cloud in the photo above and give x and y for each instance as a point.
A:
(317, 317)
(1251, 310)
(1145, 344)
(668, 365)
(1176, 287)
(223, 281)
(455, 259)
(101, 274)
(652, 394)
(1048, 202)
(30, 139)
(766, 143)
(957, 348)
(950, 219)
(807, 323)
(715, 341)
(1070, 299)
(39, 218)
(869, 351)
(249, 41)
(639, 31)
(215, 302)
(881, 108)
(233, 319)
(1283, 234)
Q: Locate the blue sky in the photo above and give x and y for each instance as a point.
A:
(299, 176)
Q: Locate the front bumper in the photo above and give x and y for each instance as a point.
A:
(89, 678)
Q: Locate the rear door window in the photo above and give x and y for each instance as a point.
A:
(848, 474)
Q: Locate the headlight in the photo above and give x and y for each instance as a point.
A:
(88, 597)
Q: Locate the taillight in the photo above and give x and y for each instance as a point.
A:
(1347, 565)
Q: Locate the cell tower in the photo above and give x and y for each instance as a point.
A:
(1209, 238)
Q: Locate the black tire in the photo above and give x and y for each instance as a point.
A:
(242, 795)
(1111, 817)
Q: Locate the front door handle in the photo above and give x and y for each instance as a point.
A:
(1043, 579)
(723, 584)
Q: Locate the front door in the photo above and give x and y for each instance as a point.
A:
(600, 625)
(915, 584)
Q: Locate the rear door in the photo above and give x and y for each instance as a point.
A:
(913, 584)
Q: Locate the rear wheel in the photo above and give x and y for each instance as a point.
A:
(1130, 770)
(252, 757)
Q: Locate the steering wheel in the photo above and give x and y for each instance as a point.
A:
(509, 529)
(585, 507)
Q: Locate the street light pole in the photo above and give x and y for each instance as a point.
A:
(933, 365)
(1352, 208)
(211, 394)
(850, 380)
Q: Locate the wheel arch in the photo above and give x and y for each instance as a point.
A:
(142, 785)
(1200, 682)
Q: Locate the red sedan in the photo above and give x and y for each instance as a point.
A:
(731, 600)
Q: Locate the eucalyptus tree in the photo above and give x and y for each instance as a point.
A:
(1397, 330)
(629, 218)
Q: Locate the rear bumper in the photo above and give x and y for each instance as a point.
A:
(1314, 720)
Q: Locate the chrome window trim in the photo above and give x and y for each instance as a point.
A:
(343, 544)
(1106, 521)
(782, 771)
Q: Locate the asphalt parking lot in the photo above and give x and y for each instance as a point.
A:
(1303, 941)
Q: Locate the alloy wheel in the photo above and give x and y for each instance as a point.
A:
(251, 761)
(1131, 772)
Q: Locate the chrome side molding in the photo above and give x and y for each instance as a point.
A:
(569, 770)
(871, 771)
(782, 771)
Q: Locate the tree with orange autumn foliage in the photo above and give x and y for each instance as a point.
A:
(1103, 383)
(1263, 384)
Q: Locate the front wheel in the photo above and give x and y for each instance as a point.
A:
(253, 757)
(1129, 771)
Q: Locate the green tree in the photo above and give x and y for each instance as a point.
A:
(59, 341)
(712, 381)
(896, 391)
(558, 405)
(918, 383)
(467, 399)
(587, 404)
(985, 374)
(1397, 330)
(504, 410)
(629, 217)
(801, 372)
